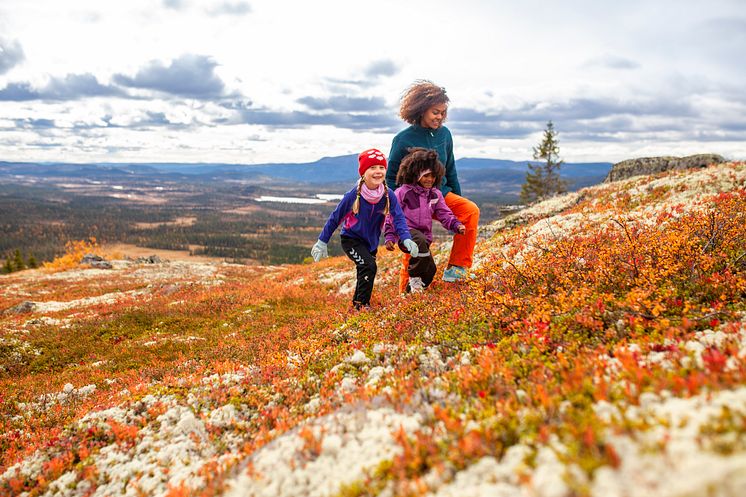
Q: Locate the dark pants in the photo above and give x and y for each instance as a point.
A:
(365, 263)
(422, 266)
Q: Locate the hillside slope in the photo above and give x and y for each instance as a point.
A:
(600, 349)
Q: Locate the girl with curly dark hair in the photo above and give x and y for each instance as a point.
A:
(420, 174)
(424, 105)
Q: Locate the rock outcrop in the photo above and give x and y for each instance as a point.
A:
(151, 259)
(96, 261)
(652, 165)
(23, 308)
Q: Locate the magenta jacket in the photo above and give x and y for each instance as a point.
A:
(420, 205)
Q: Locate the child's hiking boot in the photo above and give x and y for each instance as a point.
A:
(359, 306)
(416, 285)
(454, 273)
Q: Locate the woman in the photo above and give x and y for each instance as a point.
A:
(424, 106)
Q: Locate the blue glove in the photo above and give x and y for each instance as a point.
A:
(319, 251)
(411, 247)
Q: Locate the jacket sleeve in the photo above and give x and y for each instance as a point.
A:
(444, 214)
(451, 183)
(336, 217)
(398, 219)
(398, 151)
(389, 232)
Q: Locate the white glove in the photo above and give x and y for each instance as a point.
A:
(319, 251)
(411, 247)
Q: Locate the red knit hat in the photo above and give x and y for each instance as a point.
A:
(370, 157)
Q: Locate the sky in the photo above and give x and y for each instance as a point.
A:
(257, 81)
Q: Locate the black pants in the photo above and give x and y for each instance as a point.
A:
(422, 266)
(365, 263)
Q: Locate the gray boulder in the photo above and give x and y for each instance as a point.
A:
(151, 259)
(651, 165)
(96, 261)
(22, 308)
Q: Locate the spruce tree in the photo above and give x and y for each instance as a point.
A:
(18, 263)
(31, 262)
(543, 179)
(7, 267)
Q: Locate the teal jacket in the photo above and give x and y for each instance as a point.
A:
(439, 140)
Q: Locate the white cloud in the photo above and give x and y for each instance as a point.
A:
(175, 4)
(230, 8)
(188, 76)
(312, 79)
(611, 62)
(11, 54)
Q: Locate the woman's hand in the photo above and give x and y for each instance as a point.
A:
(461, 229)
(389, 245)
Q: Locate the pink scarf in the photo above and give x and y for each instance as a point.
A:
(372, 196)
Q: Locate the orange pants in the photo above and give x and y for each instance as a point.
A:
(463, 245)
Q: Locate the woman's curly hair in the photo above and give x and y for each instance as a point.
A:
(419, 97)
(419, 159)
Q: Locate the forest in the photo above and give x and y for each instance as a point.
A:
(225, 221)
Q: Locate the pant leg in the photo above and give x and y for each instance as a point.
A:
(422, 266)
(404, 273)
(463, 245)
(365, 264)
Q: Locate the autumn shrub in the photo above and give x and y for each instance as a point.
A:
(544, 326)
(74, 252)
(625, 276)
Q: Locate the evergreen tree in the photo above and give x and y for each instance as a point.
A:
(31, 262)
(7, 267)
(18, 263)
(543, 179)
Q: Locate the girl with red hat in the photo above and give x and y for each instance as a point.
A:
(362, 212)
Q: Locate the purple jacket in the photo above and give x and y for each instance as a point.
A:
(367, 224)
(420, 205)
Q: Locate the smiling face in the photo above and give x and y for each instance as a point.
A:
(427, 180)
(434, 116)
(374, 176)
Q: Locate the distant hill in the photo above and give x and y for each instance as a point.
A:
(342, 169)
(476, 175)
(507, 176)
